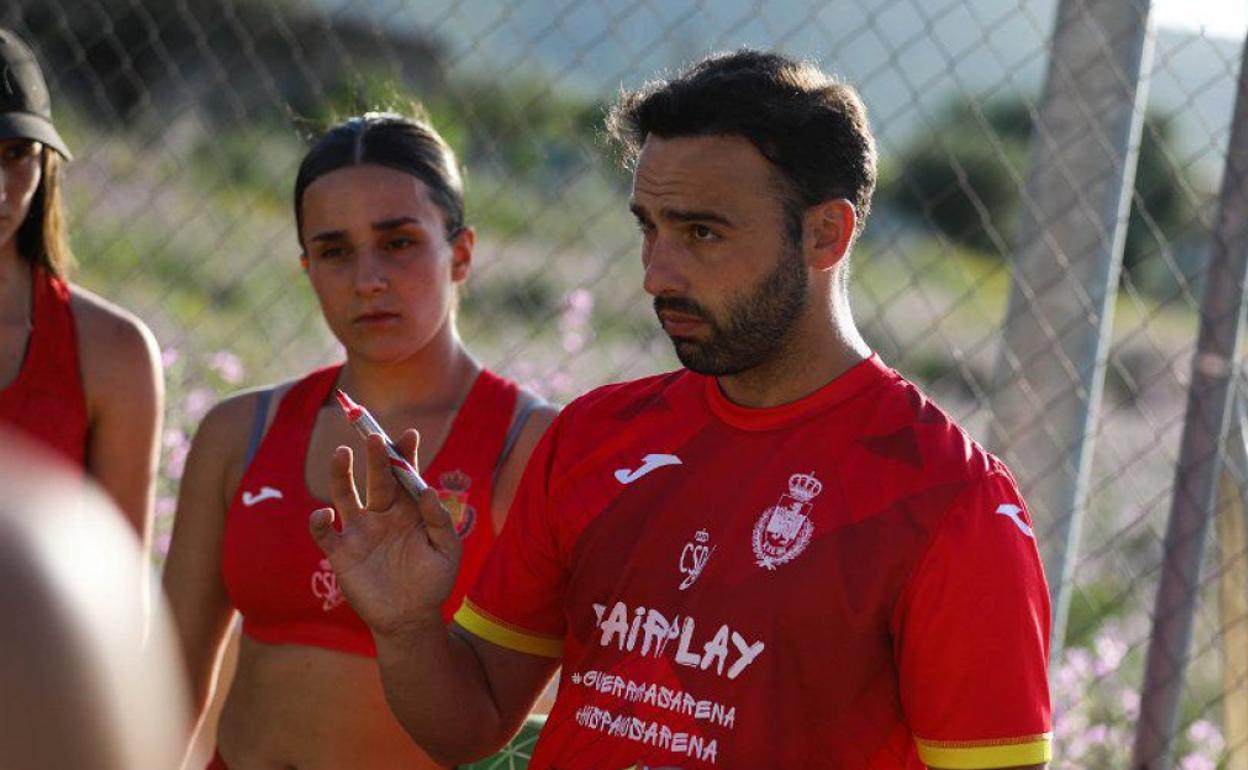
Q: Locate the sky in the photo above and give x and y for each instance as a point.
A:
(1219, 18)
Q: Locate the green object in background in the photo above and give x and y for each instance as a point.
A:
(518, 751)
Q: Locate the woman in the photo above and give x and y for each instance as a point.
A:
(380, 216)
(78, 374)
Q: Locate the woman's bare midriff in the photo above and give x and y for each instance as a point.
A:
(294, 707)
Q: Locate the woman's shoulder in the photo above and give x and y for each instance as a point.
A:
(531, 418)
(109, 332)
(235, 414)
(118, 353)
(226, 430)
(536, 411)
(104, 325)
(531, 415)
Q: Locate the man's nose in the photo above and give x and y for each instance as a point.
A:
(664, 262)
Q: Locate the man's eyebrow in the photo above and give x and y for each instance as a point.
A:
(681, 215)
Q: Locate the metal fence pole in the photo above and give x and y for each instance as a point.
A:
(1050, 371)
(1204, 432)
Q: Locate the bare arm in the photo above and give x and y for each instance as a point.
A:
(459, 697)
(396, 558)
(125, 405)
(193, 581)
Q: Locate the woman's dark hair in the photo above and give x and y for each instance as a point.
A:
(394, 141)
(811, 127)
(42, 238)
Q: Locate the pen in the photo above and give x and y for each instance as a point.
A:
(359, 417)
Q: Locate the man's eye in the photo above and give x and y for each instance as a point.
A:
(399, 243)
(333, 252)
(703, 233)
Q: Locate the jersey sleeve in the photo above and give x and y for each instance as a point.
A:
(972, 630)
(517, 599)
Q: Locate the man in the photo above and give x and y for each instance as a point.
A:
(782, 555)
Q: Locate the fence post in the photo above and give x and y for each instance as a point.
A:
(1076, 200)
(1200, 455)
(1231, 523)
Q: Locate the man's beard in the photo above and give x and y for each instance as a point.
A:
(755, 324)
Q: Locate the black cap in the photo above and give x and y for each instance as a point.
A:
(25, 108)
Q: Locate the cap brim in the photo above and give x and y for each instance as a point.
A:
(23, 125)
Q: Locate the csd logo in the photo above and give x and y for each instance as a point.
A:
(694, 557)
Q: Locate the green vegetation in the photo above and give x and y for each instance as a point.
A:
(965, 176)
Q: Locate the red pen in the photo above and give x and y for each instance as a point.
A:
(359, 417)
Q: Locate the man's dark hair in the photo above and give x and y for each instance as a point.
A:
(813, 128)
(394, 141)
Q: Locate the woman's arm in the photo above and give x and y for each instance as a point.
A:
(193, 581)
(124, 387)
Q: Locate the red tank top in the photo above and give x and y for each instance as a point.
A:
(275, 574)
(47, 400)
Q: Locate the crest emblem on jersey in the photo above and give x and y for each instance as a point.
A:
(325, 586)
(453, 492)
(694, 556)
(784, 529)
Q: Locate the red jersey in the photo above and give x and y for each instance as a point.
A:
(275, 574)
(47, 400)
(847, 581)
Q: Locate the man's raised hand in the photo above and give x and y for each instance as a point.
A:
(395, 557)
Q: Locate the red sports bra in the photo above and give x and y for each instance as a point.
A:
(47, 400)
(275, 574)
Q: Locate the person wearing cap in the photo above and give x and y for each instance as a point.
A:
(77, 373)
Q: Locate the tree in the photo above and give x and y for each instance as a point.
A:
(964, 178)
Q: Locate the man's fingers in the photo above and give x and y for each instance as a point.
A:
(438, 523)
(380, 485)
(407, 445)
(321, 525)
(342, 485)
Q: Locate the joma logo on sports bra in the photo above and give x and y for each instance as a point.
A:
(265, 493)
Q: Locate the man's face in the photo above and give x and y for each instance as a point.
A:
(727, 280)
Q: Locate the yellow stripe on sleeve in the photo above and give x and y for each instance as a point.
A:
(480, 623)
(975, 755)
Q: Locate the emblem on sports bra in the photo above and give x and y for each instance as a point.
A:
(453, 492)
(784, 529)
(325, 586)
(265, 493)
(694, 557)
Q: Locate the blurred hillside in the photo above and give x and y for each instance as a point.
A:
(908, 59)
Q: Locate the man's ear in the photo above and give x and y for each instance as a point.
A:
(829, 232)
(462, 246)
(303, 261)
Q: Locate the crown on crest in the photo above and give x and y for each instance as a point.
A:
(804, 486)
(455, 481)
(702, 536)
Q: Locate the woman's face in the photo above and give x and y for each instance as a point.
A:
(376, 252)
(20, 173)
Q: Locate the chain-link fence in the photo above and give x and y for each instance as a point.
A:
(186, 118)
